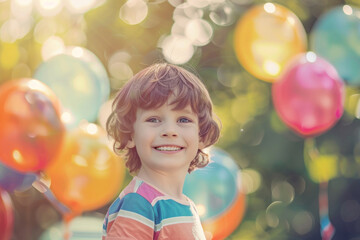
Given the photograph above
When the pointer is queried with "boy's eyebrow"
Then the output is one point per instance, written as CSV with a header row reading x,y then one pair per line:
x,y
185,110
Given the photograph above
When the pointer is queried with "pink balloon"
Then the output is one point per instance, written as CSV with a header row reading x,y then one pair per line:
x,y
309,96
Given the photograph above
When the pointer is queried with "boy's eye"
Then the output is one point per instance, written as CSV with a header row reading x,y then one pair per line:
x,y
153,120
184,120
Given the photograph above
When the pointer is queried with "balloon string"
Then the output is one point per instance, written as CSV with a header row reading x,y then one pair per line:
x,y
67,233
327,229
43,188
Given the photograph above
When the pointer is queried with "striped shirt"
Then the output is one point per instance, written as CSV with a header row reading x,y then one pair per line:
x,y
143,212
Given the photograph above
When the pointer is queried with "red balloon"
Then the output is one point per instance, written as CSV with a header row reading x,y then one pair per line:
x,y
6,216
31,131
309,96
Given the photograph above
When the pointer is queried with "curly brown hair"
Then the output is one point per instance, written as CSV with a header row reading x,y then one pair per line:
x,y
151,88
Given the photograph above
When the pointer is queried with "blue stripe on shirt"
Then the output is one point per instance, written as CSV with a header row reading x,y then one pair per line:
x,y
169,208
133,202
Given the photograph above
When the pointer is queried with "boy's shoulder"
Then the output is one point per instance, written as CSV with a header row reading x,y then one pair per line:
x,y
143,189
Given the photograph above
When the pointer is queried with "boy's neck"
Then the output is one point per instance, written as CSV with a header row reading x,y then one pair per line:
x,y
169,183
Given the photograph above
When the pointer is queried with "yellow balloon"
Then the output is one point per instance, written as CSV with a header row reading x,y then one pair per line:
x,y
266,37
87,174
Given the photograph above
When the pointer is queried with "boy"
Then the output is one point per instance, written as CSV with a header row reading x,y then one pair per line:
x,y
163,118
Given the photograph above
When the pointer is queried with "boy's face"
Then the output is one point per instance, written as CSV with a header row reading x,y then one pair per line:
x,y
166,139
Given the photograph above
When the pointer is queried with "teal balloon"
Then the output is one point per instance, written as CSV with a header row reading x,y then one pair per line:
x,y
96,65
75,84
336,37
215,186
80,228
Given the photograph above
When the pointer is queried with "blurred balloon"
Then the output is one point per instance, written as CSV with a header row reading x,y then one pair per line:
x,y
321,167
334,154
30,125
87,174
217,193
309,96
11,179
352,101
335,36
80,228
77,85
6,216
266,37
96,65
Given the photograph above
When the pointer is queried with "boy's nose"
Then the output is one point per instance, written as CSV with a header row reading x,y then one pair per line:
x,y
169,134
169,131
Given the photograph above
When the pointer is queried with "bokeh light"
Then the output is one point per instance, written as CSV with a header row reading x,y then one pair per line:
x,y
177,49
82,6
283,191
52,46
48,8
251,180
45,29
199,32
222,14
303,222
133,11
119,69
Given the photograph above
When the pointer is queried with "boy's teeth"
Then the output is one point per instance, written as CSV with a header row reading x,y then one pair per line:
x,y
168,148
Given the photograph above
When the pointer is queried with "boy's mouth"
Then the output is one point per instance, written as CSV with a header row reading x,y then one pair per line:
x,y
168,148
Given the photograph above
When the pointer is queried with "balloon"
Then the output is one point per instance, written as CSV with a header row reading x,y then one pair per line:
x,y
335,37
87,174
80,228
337,147
6,216
95,65
266,37
309,96
11,179
77,86
31,131
321,167
217,193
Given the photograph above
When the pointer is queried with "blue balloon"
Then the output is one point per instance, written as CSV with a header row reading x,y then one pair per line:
x,y
336,36
214,187
76,85
11,179
95,65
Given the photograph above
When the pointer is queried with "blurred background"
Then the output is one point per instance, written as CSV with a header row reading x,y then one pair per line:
x,y
284,78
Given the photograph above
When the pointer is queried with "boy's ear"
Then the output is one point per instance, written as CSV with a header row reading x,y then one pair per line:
x,y
130,143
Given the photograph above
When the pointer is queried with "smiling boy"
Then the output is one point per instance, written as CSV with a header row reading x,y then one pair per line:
x,y
163,119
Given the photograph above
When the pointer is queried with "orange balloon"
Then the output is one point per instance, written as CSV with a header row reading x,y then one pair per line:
x,y
222,226
87,174
266,37
31,131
